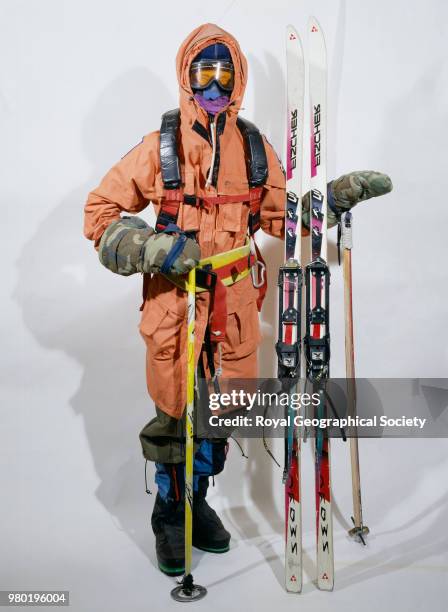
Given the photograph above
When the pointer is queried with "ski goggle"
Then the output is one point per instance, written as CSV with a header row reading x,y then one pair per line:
x,y
205,72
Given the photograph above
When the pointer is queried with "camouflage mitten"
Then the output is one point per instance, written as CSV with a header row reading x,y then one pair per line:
x,y
121,245
170,254
347,191
129,245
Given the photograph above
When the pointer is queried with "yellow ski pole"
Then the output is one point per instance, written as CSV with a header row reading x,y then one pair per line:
x,y
187,590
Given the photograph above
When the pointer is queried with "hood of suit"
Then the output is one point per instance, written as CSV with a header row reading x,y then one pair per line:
x,y
202,37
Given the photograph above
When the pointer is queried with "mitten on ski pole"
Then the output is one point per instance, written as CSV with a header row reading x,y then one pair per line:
x,y
129,245
350,189
347,191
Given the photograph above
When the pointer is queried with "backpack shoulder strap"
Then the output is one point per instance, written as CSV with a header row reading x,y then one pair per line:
x,y
257,161
169,158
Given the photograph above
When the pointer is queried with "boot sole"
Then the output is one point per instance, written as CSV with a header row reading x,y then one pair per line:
x,y
171,571
217,551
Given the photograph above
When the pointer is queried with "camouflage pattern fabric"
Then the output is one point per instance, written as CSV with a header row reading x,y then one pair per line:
x,y
157,248
122,243
129,245
306,210
163,439
350,189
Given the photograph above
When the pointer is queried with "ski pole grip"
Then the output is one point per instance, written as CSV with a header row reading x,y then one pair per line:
x,y
346,226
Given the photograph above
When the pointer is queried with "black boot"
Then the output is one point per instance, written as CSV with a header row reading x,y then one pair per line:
x,y
209,533
168,524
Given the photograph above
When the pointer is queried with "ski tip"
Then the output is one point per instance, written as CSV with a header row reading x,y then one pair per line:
x,y
294,43
316,37
314,26
292,36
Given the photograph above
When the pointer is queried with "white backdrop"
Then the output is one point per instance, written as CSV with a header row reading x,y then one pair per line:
x,y
81,82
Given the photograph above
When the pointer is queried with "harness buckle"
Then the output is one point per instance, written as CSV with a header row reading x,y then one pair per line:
x,y
206,278
191,200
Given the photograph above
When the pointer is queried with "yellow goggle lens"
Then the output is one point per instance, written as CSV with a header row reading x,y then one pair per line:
x,y
202,74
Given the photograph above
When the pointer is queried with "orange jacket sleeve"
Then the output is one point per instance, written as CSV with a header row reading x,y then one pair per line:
x,y
127,187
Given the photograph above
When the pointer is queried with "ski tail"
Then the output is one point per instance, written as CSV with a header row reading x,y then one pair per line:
x,y
324,519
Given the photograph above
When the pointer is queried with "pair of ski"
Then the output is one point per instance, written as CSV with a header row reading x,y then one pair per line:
x,y
316,339
317,279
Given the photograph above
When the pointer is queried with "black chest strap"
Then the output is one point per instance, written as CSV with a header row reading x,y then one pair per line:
x,y
257,163
169,158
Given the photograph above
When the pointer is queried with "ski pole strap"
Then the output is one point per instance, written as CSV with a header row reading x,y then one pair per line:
x,y
172,228
331,203
337,213
338,244
175,250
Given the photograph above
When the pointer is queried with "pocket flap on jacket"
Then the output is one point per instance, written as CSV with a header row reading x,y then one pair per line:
x,y
152,316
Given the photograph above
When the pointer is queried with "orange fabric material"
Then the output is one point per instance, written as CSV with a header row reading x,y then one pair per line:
x,y
136,180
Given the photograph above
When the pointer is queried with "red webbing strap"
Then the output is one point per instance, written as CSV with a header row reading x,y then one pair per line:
x,y
218,318
209,201
255,194
169,208
173,195
235,268
253,197
255,204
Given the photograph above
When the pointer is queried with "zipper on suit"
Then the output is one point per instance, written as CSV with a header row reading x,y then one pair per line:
x,y
213,135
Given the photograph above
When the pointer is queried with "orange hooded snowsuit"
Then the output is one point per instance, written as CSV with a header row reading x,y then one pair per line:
x,y
136,181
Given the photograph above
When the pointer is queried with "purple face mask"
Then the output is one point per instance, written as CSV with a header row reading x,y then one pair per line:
x,y
212,106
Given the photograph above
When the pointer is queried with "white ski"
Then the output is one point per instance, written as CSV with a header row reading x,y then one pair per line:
x,y
318,278
290,287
